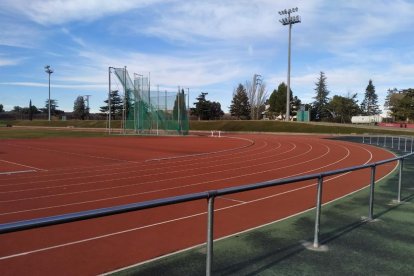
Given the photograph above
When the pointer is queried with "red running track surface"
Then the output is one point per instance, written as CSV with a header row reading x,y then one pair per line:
x,y
46,177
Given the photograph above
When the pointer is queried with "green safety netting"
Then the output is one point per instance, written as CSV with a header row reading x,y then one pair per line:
x,y
151,112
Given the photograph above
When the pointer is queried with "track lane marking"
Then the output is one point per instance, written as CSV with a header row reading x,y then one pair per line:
x,y
22,165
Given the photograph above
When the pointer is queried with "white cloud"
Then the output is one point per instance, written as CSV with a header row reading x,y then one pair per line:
x,y
51,12
8,61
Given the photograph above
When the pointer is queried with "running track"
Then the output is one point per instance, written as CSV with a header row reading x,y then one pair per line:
x,y
47,177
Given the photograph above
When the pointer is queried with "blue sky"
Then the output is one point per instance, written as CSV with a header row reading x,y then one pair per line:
x,y
207,46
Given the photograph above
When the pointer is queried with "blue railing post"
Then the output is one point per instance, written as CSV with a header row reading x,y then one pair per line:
x,y
210,232
371,194
399,180
318,212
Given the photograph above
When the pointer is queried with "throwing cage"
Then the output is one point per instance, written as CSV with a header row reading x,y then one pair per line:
x,y
147,112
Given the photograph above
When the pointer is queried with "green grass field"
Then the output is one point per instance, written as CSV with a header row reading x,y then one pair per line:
x,y
234,126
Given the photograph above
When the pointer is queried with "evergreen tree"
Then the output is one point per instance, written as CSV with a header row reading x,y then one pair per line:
x,y
1,108
277,102
215,111
53,107
369,105
240,106
79,108
180,108
202,107
116,105
321,98
206,110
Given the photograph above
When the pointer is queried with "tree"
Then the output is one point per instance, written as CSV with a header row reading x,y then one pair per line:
x,y
321,98
257,94
277,102
215,111
180,109
403,108
343,108
206,110
1,108
79,108
53,107
240,106
369,105
388,104
202,107
116,105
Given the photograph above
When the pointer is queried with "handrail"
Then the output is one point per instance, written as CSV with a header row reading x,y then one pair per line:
x,y
209,195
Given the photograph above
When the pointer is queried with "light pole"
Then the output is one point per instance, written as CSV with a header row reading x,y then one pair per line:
x,y
49,71
289,20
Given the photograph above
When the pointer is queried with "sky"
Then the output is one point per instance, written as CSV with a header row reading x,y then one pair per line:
x,y
204,45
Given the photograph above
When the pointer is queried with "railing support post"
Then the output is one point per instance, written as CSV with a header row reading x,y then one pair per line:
x,y
318,212
399,180
210,228
405,145
385,141
371,194
392,142
399,142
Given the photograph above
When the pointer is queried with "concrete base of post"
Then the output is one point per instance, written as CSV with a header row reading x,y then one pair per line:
x,y
367,219
310,246
395,202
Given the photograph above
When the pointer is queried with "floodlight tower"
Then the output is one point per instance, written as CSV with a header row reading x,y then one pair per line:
x,y
49,71
289,20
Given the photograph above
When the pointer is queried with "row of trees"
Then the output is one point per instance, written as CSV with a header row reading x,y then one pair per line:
x,y
338,108
33,110
342,108
80,111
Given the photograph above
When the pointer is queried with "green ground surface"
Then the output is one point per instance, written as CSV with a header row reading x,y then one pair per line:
x,y
355,247
227,125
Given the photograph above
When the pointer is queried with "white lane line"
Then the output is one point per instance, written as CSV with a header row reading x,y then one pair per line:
x,y
231,199
125,170
22,165
137,184
205,153
17,172
186,170
153,191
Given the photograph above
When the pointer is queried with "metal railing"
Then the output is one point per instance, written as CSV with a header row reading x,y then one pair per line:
x,y
211,195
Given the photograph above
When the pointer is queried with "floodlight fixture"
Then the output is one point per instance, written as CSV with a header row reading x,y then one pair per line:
x,y
49,71
289,20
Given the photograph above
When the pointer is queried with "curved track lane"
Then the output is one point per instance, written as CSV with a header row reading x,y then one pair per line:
x,y
81,174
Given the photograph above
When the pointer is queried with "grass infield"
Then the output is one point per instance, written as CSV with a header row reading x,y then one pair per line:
x,y
355,247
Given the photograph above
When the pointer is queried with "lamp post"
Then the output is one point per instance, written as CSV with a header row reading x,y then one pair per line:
x,y
289,20
49,71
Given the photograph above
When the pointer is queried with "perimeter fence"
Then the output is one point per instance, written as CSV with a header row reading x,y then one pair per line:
x,y
212,194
